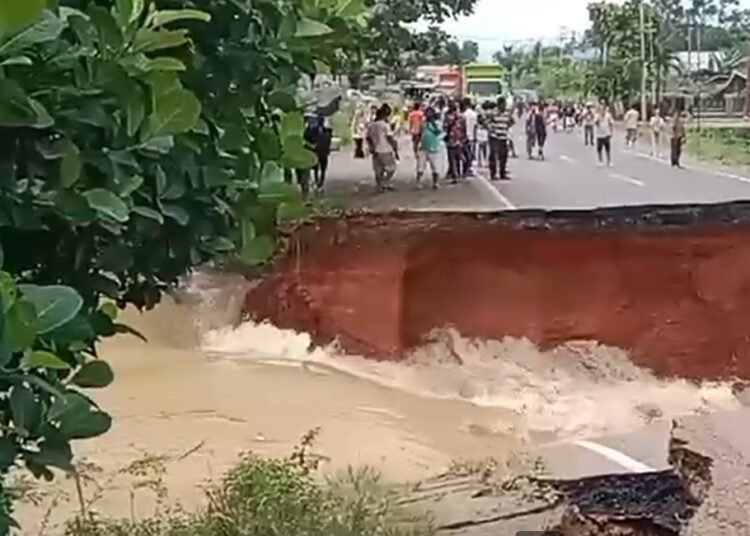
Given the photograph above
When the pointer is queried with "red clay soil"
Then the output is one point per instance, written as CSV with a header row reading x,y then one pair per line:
x,y
677,298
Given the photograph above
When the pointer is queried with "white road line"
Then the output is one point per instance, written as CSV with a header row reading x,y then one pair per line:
x,y
568,159
613,455
692,168
730,175
494,192
625,178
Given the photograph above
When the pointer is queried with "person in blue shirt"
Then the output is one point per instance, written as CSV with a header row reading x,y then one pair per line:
x,y
430,147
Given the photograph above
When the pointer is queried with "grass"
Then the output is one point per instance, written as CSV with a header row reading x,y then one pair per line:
x,y
729,146
277,497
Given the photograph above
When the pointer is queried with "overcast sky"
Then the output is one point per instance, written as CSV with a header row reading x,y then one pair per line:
x,y
498,22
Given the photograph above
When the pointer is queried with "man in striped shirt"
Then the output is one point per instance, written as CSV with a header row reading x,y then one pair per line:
x,y
498,121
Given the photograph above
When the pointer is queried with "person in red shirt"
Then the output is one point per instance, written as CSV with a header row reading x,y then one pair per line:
x,y
416,122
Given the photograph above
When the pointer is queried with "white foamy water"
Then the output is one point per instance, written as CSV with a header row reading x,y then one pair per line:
x,y
577,390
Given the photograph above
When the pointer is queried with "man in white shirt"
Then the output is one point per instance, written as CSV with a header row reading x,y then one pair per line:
x,y
632,117
472,123
657,128
604,125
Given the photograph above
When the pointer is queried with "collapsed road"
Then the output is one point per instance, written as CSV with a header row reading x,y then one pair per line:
x,y
669,284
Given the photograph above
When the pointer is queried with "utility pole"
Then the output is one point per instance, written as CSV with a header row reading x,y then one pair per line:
x,y
644,67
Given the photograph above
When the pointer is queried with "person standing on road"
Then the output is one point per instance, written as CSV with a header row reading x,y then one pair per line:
x,y
383,148
416,119
498,123
430,146
678,138
632,117
455,130
657,128
604,125
471,118
318,135
483,139
588,125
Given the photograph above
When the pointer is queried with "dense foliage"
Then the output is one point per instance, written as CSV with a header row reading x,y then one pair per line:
x,y
137,143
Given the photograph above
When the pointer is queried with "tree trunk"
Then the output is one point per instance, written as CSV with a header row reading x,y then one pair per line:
x,y
747,86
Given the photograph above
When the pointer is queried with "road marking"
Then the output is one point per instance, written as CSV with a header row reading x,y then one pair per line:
x,y
485,182
568,159
625,178
613,455
732,176
691,168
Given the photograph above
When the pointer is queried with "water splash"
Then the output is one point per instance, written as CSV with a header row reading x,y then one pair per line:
x,y
579,389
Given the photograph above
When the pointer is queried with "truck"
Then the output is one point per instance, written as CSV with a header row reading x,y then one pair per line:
x,y
483,82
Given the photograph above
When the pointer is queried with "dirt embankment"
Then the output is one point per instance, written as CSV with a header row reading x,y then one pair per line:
x,y
669,284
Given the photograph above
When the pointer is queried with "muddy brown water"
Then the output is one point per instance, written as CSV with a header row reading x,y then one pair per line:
x,y
206,389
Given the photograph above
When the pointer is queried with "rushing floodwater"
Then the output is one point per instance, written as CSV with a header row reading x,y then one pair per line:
x,y
204,390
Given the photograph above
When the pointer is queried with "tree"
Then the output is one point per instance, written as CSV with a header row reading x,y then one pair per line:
x,y
469,51
389,42
138,143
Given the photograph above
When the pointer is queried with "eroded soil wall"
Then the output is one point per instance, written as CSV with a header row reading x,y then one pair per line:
x,y
669,284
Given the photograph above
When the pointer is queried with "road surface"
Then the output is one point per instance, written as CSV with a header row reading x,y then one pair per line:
x,y
572,178
569,178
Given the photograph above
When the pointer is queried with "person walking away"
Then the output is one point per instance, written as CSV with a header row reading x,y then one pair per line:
x,y
471,118
455,130
323,136
540,122
416,119
498,123
632,117
383,148
530,127
657,128
678,138
604,126
588,126
430,147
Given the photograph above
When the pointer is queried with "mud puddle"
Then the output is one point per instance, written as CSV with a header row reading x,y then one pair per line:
x,y
204,390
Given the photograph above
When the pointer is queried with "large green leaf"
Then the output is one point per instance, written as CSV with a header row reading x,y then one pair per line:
x,y
350,8
55,305
134,105
20,325
174,113
47,28
53,454
177,213
292,124
94,375
70,165
25,408
257,250
312,28
151,41
167,16
296,155
42,359
79,419
15,14
108,204
129,10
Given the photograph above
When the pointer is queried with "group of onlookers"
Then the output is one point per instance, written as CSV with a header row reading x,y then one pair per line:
x,y
448,136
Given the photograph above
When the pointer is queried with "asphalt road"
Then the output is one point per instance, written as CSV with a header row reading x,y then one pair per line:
x,y
571,178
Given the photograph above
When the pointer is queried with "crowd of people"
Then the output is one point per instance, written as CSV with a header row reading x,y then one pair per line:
x,y
450,138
